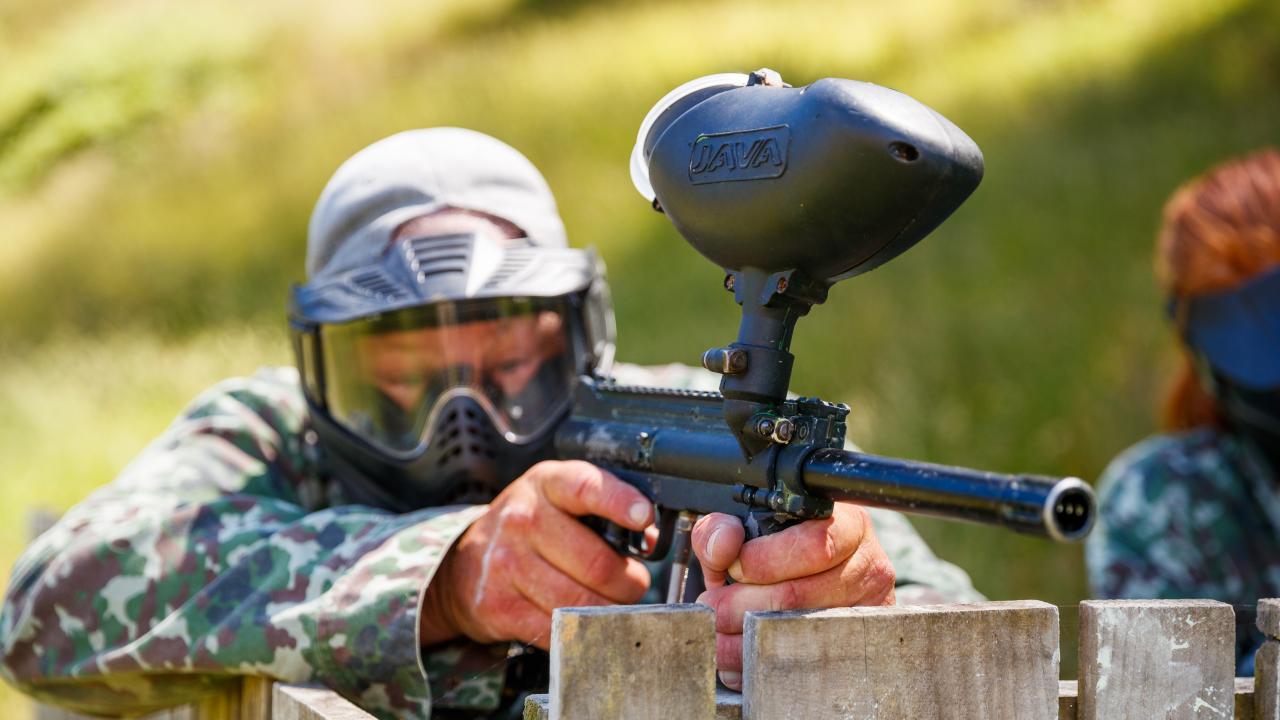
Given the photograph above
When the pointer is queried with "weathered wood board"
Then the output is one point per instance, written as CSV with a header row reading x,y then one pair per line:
x,y
984,660
1267,681
255,697
1068,700
633,662
728,706
991,660
1244,703
1269,617
1171,659
240,701
1245,699
313,702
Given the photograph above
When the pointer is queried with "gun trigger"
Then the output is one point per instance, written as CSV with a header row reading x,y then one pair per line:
x,y
623,541
759,524
617,537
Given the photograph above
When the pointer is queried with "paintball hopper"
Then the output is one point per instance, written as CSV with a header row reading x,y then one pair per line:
x,y
790,190
832,179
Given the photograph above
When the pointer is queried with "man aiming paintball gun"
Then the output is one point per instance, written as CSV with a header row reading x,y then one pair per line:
x,y
399,516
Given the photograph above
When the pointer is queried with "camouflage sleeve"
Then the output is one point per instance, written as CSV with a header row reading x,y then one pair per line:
x,y
1142,546
211,557
922,577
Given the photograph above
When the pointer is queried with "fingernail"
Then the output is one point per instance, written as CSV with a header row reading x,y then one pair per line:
x,y
640,513
711,541
735,570
731,679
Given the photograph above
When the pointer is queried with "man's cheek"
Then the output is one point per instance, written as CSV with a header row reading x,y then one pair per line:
x,y
514,382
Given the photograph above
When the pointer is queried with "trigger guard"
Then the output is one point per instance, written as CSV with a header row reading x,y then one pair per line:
x,y
666,528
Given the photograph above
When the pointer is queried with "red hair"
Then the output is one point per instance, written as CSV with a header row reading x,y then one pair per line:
x,y
1219,230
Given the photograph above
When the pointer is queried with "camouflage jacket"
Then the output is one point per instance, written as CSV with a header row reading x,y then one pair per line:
x,y
1193,515
224,550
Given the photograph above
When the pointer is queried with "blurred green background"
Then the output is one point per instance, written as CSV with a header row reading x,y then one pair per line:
x,y
158,162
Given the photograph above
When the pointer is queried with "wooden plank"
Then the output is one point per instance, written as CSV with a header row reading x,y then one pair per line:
x,y
255,698
215,706
924,662
1267,681
1269,617
52,712
635,662
1170,659
728,706
312,702
1244,699
1266,699
1244,705
1068,700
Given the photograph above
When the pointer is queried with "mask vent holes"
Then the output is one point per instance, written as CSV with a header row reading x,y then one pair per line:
x,y
903,152
373,282
513,263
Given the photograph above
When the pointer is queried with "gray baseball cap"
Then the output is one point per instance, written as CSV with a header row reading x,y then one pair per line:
x,y
418,172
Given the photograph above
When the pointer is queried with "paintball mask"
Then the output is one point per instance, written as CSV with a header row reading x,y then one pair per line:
x,y
1235,337
438,375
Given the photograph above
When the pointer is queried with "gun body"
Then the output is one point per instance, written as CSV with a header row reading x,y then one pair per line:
x,y
840,177
673,446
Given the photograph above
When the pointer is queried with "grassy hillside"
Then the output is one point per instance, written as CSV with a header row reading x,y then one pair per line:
x,y
158,162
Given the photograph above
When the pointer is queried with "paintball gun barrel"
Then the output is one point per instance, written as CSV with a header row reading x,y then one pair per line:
x,y
791,190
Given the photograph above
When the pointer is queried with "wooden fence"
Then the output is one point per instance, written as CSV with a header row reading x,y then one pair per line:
x,y
1138,659
255,699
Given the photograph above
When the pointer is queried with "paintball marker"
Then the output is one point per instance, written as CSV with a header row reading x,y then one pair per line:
x,y
790,190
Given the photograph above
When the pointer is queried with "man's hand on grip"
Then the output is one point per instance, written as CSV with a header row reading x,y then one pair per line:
x,y
835,562
530,554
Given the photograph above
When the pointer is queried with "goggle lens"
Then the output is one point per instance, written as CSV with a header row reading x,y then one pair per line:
x,y
386,377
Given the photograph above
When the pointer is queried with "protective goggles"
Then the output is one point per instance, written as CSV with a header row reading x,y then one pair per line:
x,y
386,378
1237,331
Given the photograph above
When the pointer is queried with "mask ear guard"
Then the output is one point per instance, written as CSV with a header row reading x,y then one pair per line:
x,y
306,352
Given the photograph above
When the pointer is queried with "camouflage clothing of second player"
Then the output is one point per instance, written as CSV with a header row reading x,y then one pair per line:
x,y
225,549
1192,515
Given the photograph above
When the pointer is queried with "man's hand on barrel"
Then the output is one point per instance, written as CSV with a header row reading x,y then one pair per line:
x,y
836,562
530,554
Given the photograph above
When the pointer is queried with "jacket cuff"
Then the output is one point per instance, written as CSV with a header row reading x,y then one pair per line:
x,y
466,675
